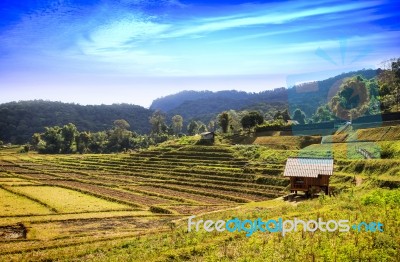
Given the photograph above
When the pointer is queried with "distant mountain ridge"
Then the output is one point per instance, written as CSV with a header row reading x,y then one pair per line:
x,y
20,120
204,105
170,102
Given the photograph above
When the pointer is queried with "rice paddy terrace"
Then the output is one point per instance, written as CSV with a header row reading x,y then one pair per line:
x,y
73,205
69,200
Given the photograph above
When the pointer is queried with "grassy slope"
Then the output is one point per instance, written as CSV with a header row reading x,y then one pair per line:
x,y
361,202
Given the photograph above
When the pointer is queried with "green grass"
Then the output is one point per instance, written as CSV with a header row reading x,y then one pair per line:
x,y
68,201
372,167
390,149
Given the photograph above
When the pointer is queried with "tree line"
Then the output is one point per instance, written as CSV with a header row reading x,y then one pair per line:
x,y
19,120
68,139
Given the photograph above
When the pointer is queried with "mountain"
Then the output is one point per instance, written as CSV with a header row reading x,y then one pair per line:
x,y
205,105
20,120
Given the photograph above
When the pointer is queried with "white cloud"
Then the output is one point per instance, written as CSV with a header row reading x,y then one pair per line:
x,y
120,35
258,17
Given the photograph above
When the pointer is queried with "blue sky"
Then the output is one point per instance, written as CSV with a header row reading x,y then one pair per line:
x,y
133,51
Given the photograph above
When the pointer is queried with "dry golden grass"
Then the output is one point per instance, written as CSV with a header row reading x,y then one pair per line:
x,y
379,134
68,201
12,205
286,142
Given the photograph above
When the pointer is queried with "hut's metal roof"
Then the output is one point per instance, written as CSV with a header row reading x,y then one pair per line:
x,y
308,167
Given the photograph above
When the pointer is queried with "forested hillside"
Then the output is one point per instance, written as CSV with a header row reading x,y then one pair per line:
x,y
204,105
307,103
20,120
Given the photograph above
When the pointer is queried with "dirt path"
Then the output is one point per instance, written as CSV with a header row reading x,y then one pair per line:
x,y
358,181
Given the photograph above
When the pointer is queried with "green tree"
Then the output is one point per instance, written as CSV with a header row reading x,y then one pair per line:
x,y
234,120
121,124
202,127
177,124
119,137
52,140
285,115
389,85
68,133
157,121
223,121
322,114
299,116
252,119
396,71
282,115
352,99
82,142
35,140
98,142
192,128
278,115
211,126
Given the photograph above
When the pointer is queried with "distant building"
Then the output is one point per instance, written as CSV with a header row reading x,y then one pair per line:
x,y
207,136
307,174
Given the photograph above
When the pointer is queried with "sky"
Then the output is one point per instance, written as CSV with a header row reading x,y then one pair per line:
x,y
133,51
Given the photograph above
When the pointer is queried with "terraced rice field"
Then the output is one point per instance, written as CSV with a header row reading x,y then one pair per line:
x,y
67,200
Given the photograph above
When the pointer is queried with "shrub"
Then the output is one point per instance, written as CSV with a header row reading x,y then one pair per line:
x,y
381,197
25,148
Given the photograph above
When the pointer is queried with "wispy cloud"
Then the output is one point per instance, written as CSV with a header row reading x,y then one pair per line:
x,y
120,35
131,38
343,21
253,19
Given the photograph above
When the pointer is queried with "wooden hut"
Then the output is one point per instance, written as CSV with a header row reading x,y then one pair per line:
x,y
207,135
307,174
207,138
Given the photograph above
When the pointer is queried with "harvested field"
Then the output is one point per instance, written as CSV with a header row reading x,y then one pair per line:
x,y
74,200
66,200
